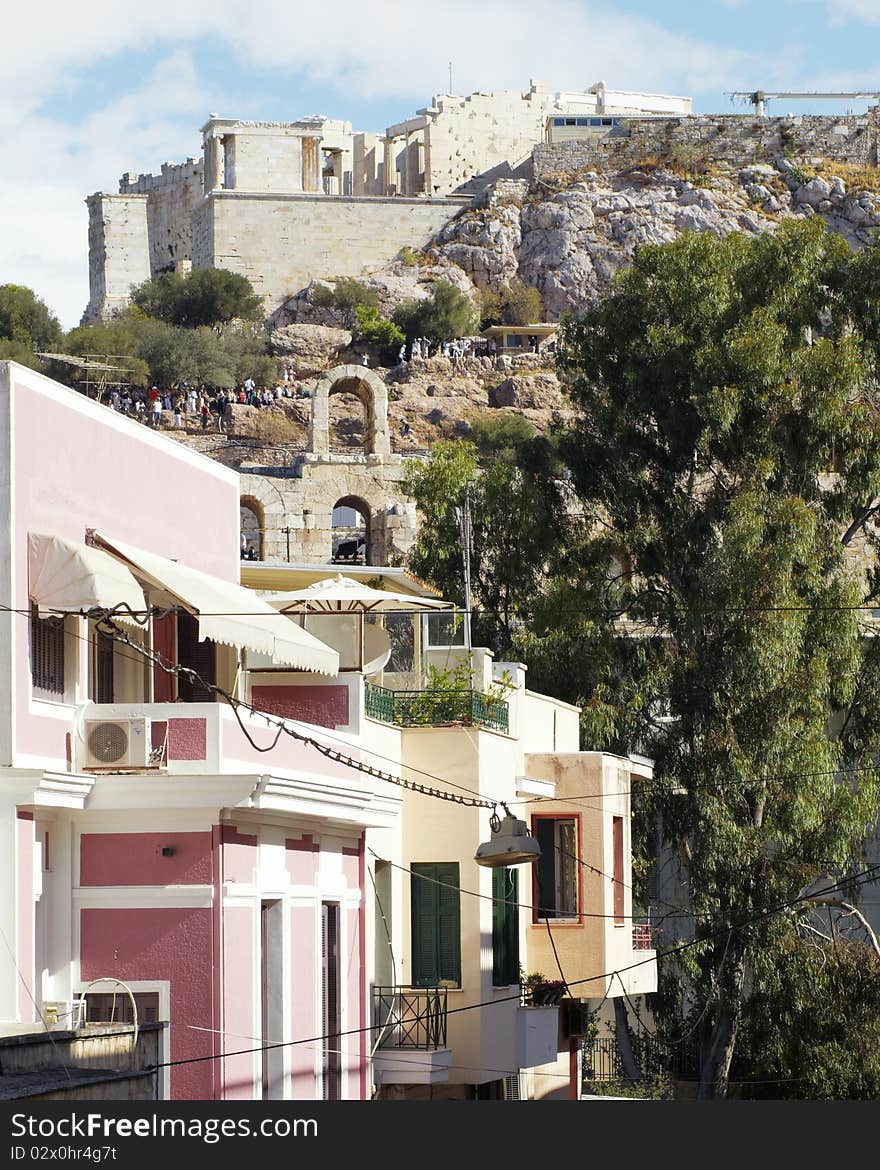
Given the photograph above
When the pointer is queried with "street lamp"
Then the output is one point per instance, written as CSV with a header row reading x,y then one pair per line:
x,y
510,842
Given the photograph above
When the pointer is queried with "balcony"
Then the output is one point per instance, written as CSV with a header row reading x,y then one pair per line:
x,y
435,708
643,936
410,1035
537,1036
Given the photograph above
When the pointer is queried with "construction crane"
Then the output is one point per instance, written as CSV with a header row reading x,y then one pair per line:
x,y
759,96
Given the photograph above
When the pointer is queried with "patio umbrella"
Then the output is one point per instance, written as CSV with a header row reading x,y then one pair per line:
x,y
344,595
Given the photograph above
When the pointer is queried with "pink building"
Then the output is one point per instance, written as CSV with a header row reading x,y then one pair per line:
x,y
144,837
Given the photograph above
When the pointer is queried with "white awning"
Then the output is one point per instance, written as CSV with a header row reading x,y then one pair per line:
x,y
68,577
228,613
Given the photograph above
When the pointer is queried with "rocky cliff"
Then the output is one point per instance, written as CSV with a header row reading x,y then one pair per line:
x,y
566,235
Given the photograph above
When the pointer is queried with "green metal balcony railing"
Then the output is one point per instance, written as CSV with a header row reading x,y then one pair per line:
x,y
430,708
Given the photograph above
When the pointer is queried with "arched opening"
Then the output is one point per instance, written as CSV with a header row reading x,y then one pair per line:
x,y
349,409
252,525
361,425
351,532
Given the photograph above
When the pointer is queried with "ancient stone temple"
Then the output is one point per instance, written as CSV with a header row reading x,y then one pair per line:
x,y
332,505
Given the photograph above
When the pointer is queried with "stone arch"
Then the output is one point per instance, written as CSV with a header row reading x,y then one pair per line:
x,y
351,555
253,523
373,394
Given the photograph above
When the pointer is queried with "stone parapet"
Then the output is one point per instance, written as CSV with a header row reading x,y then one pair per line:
x,y
736,139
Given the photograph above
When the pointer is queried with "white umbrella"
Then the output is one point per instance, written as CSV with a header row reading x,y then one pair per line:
x,y
345,595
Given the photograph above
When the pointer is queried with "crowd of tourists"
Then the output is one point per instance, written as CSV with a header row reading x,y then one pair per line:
x,y
202,406
422,348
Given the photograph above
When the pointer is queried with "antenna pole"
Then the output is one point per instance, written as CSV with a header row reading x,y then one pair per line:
x,y
450,79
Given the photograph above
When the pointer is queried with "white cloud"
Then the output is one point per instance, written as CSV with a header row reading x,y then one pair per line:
x,y
390,49
864,10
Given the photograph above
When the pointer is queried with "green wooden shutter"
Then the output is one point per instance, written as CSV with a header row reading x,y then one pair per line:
x,y
505,927
436,923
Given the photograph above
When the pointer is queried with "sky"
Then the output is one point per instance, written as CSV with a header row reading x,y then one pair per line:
x,y
91,90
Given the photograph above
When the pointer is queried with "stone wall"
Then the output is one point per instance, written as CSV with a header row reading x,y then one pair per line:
x,y
736,139
119,254
301,498
479,134
171,198
281,242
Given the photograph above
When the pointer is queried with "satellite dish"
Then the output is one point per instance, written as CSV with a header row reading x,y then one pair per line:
x,y
377,648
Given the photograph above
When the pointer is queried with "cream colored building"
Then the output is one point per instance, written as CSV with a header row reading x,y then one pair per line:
x,y
284,203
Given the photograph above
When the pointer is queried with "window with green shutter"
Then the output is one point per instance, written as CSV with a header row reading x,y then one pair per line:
x,y
505,927
436,924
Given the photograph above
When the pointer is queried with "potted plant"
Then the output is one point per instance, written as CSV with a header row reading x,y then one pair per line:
x,y
542,992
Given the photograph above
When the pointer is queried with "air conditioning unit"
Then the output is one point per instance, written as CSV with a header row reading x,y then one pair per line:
x,y
114,744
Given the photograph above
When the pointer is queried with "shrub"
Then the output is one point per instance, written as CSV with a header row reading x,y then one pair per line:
x,y
447,314
380,332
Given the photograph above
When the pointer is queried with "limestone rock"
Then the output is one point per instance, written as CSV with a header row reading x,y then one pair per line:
x,y
536,392
310,348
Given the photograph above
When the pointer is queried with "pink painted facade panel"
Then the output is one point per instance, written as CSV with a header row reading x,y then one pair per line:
x,y
304,1000
351,867
187,739
162,944
301,856
354,1058
324,706
24,832
135,859
239,855
240,1003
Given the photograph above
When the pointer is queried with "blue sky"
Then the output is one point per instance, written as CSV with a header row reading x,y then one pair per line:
x,y
91,90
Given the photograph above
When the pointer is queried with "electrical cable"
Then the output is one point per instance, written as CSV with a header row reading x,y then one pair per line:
x,y
855,879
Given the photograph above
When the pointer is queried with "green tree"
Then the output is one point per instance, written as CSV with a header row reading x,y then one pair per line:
x,y
812,1030
205,296
347,295
26,324
500,434
378,331
512,304
521,304
726,454
446,314
518,530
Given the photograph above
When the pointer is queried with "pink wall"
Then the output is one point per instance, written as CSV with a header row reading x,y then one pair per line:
x,y
135,859
169,943
353,866
301,856
305,1004
240,1002
239,855
76,464
325,706
24,831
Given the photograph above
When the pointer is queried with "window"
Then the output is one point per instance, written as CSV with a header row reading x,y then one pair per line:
x,y
505,927
47,656
617,836
331,1002
198,656
436,924
102,668
556,871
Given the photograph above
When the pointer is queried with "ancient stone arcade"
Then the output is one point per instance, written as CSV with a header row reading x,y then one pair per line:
x,y
288,512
